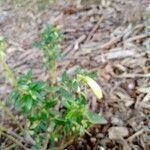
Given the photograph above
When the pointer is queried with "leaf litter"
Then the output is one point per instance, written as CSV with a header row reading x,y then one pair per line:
x,y
108,37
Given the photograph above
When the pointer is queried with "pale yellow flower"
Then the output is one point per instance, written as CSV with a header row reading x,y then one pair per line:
x,y
92,84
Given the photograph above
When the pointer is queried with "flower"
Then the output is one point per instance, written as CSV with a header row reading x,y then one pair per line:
x,y
92,84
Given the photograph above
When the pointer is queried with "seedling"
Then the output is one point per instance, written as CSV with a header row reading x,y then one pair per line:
x,y
59,112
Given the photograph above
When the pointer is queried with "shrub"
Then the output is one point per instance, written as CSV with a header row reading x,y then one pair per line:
x,y
55,112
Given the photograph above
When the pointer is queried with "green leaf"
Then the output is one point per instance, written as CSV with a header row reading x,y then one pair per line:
x,y
60,121
82,99
38,86
18,105
65,103
50,103
64,77
44,115
75,86
25,79
64,93
28,103
35,124
14,96
34,94
24,87
43,126
53,89
95,118
29,74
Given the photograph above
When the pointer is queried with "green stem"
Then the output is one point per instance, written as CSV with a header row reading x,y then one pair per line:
x,y
52,72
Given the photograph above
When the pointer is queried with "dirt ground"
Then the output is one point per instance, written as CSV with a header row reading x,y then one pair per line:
x,y
110,37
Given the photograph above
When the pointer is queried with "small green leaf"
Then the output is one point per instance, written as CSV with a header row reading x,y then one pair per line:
x,y
60,121
75,86
44,115
35,124
29,74
24,87
50,103
29,103
66,104
64,93
95,118
38,86
14,96
43,126
18,105
64,77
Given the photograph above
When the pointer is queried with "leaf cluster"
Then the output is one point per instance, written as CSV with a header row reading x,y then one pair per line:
x,y
62,115
50,44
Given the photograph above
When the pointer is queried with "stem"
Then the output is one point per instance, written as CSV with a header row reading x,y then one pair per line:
x,y
52,72
9,73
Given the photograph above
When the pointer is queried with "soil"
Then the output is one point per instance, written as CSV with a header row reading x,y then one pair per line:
x,y
111,38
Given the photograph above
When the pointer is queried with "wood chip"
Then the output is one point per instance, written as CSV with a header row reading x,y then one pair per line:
x,y
113,55
117,132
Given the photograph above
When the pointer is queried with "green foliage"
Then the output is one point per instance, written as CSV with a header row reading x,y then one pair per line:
x,y
74,118
55,112
28,94
50,39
